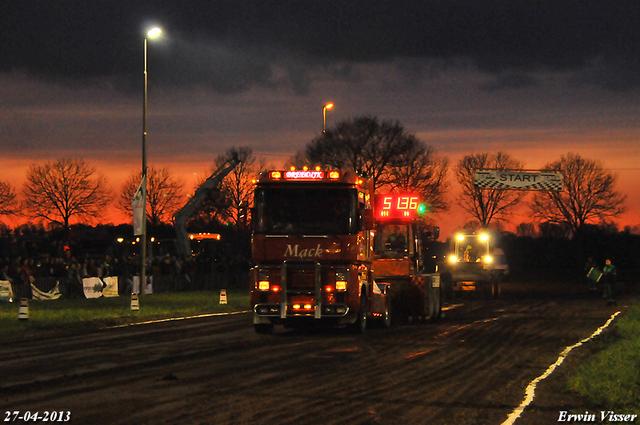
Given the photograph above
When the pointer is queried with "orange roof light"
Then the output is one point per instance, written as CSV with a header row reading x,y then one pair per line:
x,y
334,175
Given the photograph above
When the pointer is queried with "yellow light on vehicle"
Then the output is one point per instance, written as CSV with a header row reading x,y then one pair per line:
x,y
488,259
341,285
334,175
460,237
308,306
484,237
275,175
263,285
318,168
296,306
275,288
328,288
453,259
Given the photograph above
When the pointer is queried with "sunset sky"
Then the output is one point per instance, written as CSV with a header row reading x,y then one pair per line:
x,y
535,79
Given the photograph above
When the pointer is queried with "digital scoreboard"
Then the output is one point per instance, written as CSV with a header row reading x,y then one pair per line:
x,y
397,206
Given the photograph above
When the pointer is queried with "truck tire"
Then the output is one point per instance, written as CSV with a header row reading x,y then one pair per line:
x,y
496,289
386,319
432,304
447,284
360,325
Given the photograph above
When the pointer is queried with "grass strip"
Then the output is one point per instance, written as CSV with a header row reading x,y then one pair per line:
x,y
71,315
611,378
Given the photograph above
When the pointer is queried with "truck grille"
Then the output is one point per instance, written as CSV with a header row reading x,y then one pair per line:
x,y
301,278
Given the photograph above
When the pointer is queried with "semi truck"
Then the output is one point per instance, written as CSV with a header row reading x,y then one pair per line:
x,y
404,257
312,246
474,263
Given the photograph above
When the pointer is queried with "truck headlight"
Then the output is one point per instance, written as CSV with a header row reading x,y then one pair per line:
x,y
263,280
342,280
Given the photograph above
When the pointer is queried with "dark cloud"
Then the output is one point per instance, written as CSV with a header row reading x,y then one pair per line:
x,y
511,81
232,45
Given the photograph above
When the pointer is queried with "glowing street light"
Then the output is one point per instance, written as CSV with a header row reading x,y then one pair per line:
x,y
324,116
143,275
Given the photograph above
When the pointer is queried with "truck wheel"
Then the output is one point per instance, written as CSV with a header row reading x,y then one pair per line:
x,y
263,328
489,289
449,292
433,304
360,325
496,289
386,319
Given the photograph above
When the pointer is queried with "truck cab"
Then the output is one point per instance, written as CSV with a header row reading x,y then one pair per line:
x,y
402,257
312,246
471,264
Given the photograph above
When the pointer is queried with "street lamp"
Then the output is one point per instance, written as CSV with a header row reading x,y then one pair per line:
x,y
324,116
143,274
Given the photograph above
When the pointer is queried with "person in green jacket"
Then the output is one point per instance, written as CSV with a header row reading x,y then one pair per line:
x,y
609,274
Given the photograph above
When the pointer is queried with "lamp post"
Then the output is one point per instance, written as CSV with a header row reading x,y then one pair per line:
x,y
143,273
324,116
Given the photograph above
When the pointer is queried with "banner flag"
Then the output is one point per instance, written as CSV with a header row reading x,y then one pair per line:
x,y
6,293
111,288
94,287
148,287
138,207
41,295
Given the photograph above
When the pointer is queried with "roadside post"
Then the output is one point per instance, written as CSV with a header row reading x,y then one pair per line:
x,y
23,310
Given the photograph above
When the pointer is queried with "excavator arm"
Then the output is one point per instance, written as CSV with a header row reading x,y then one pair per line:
x,y
181,217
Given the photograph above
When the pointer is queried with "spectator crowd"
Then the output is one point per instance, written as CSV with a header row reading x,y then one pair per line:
x,y
46,263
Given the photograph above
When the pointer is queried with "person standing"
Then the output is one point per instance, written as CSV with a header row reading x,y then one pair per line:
x,y
592,275
610,274
26,278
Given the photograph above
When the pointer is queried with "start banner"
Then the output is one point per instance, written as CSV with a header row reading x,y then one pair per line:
x,y
522,180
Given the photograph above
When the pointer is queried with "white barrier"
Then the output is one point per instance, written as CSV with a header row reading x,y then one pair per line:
x,y
94,287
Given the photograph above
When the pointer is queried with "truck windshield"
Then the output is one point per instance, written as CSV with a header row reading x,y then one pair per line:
x,y
312,211
391,241
471,249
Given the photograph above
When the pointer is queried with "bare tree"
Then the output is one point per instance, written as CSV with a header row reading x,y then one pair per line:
x,y
419,169
589,194
486,204
526,230
164,194
8,202
238,185
363,144
65,188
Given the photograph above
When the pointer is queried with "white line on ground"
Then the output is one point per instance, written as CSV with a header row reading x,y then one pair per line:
x,y
531,389
175,319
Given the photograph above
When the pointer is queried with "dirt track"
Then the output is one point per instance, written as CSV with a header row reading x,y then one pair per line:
x,y
472,367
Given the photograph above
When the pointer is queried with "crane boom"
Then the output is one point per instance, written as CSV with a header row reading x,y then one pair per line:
x,y
183,214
